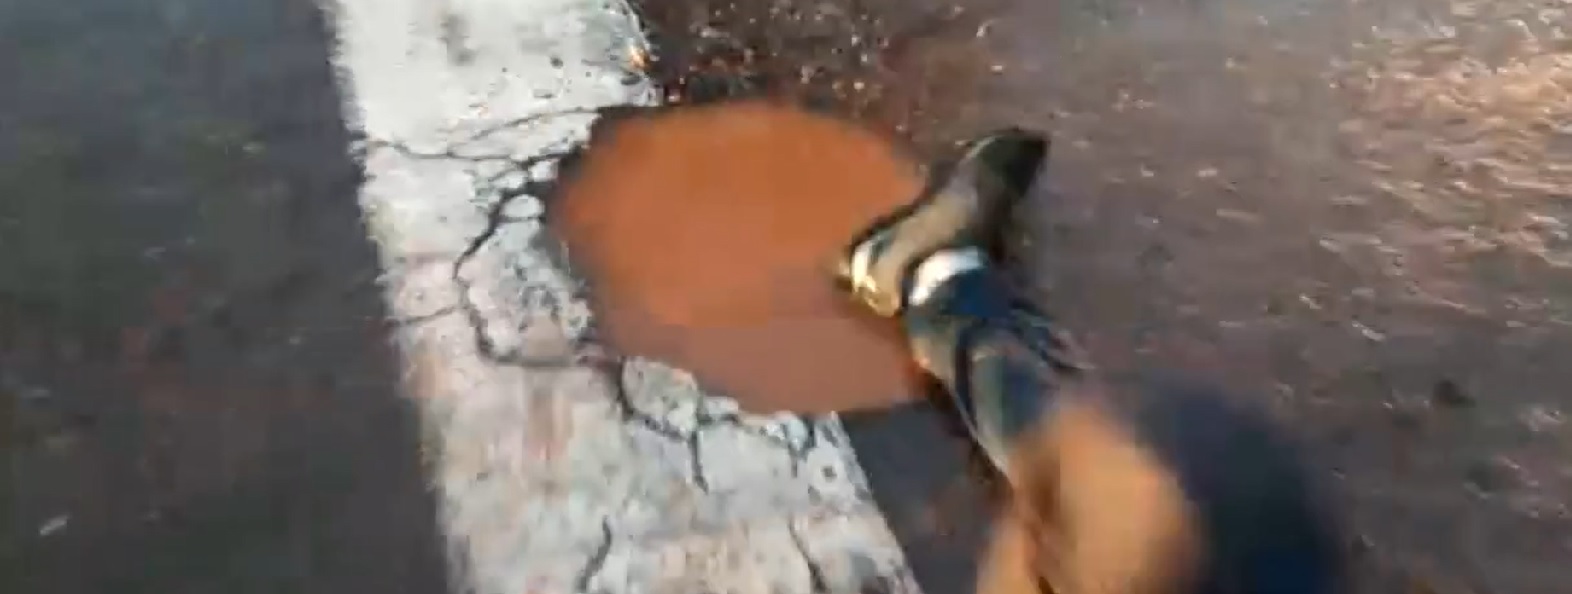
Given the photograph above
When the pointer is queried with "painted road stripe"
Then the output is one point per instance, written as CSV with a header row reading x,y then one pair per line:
x,y
556,473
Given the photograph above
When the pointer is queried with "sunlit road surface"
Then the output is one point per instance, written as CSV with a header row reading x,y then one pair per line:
x,y
275,313
1351,213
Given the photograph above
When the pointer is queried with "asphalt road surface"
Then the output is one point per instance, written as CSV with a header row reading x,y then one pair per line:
x,y
198,390
1351,213
1348,211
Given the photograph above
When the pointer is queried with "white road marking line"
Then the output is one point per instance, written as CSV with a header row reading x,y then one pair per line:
x,y
556,476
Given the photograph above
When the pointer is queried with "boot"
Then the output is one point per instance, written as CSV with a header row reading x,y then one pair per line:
x,y
966,205
933,262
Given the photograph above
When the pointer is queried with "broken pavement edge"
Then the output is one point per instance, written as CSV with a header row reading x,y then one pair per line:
x,y
558,469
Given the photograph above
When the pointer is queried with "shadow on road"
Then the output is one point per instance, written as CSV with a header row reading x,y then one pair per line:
x,y
198,389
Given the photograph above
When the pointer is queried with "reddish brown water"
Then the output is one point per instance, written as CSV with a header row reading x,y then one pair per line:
x,y
707,233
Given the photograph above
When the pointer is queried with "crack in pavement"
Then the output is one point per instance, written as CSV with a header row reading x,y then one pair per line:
x,y
416,320
796,451
458,199
615,371
496,219
597,560
815,573
450,154
517,179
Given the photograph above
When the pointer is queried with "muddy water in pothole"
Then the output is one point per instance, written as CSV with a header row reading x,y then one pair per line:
x,y
708,234
1353,210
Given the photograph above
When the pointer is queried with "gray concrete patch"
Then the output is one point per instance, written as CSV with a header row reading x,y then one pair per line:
x,y
558,468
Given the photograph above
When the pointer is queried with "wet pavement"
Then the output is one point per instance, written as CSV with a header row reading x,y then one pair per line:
x,y
1349,212
197,388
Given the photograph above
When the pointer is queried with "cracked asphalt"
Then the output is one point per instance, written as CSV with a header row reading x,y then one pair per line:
x,y
198,380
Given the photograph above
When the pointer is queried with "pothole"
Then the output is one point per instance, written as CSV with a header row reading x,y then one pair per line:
x,y
706,234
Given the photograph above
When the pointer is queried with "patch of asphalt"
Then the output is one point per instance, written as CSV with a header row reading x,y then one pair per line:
x,y
909,68
1351,212
193,364
560,467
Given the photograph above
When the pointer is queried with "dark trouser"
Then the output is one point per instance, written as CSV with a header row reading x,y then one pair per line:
x,y
1017,386
998,355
